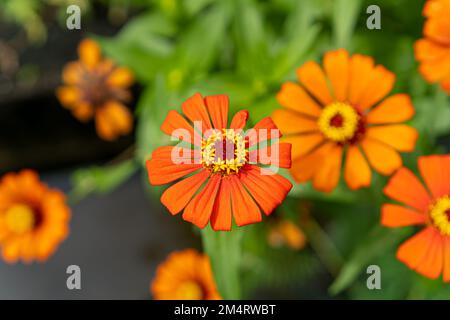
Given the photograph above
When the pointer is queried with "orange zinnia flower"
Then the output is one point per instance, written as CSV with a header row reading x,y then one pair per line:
x,y
33,218
338,110
433,51
185,275
427,252
95,87
224,180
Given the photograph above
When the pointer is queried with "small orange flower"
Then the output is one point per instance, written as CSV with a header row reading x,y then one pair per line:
x,y
33,218
427,252
95,87
433,51
224,181
185,275
286,233
340,110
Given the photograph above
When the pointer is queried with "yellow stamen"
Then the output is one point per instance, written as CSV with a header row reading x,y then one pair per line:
x,y
218,160
189,290
440,216
19,218
338,121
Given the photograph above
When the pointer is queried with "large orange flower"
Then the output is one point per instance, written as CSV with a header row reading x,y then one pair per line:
x,y
223,179
339,110
433,51
185,275
33,218
427,252
95,87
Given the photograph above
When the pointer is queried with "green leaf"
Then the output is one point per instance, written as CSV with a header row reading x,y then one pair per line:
x,y
345,15
100,180
377,241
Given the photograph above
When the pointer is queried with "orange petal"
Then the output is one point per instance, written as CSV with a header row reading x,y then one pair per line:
x,y
406,188
393,215
437,29
361,68
313,79
71,73
221,219
294,97
199,210
84,112
68,96
397,108
264,155
412,251
89,52
218,110
113,120
435,70
399,136
327,175
382,157
245,210
433,262
336,64
446,274
357,171
290,122
436,174
120,77
304,168
303,144
239,120
195,110
380,84
178,196
175,124
269,191
426,49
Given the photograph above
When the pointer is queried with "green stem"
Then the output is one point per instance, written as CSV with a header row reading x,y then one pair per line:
x,y
224,251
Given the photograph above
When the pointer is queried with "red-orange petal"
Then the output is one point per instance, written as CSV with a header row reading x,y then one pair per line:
x,y
245,210
194,109
446,272
436,174
178,196
199,209
221,217
264,130
218,110
433,261
239,120
265,155
413,251
165,171
176,124
393,215
406,188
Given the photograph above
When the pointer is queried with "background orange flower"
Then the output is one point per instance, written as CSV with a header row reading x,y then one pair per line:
x,y
427,252
185,275
433,51
95,87
33,218
348,117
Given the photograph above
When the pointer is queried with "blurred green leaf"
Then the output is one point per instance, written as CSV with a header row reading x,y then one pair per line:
x,y
100,179
345,15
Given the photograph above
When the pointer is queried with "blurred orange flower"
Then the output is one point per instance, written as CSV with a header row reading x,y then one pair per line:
x,y
33,218
338,110
286,233
95,87
427,252
221,184
185,275
433,51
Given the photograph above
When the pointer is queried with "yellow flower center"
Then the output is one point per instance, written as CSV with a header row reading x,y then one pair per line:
x,y
224,152
440,214
189,290
20,218
339,122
